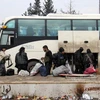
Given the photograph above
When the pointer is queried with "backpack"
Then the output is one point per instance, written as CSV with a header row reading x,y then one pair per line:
x,y
10,72
43,71
61,60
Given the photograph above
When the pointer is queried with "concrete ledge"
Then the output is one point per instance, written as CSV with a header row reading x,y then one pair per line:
x,y
48,80
50,86
50,90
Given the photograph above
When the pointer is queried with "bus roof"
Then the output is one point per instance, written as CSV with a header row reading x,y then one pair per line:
x,y
56,16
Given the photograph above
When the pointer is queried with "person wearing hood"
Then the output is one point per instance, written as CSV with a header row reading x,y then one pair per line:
x,y
61,64
88,59
79,61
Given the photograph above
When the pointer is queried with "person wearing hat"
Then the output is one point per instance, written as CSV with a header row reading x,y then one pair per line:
x,y
60,58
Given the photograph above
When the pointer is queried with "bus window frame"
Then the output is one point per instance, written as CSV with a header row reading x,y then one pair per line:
x,y
31,36
62,30
9,39
96,23
98,27
9,21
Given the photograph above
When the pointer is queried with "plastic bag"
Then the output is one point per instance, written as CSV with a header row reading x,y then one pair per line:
x,y
35,69
23,73
68,67
90,70
86,97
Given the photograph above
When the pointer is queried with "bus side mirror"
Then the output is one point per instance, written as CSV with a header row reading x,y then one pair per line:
x,y
3,27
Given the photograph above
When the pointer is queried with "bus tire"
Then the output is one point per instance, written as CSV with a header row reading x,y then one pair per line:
x,y
32,63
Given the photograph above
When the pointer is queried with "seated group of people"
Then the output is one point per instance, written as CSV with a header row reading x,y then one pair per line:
x,y
58,62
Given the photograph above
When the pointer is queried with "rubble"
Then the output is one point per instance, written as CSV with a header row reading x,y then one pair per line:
x,y
65,97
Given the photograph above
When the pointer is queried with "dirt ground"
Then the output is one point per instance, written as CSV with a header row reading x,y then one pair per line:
x,y
48,80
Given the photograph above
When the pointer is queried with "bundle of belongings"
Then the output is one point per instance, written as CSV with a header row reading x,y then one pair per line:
x,y
90,70
61,65
23,73
63,69
38,68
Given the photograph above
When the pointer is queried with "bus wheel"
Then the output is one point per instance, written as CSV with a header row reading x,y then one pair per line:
x,y
32,63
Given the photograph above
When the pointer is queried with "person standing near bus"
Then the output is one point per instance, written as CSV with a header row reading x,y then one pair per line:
x,y
88,59
21,60
3,58
47,59
79,67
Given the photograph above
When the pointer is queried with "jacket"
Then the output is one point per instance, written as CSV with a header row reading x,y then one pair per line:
x,y
59,59
3,57
21,59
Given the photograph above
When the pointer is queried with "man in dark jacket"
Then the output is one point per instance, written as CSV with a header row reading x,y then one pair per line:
x,y
47,59
60,58
21,59
79,68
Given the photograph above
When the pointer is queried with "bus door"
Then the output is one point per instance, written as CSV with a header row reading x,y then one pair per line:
x,y
8,34
7,38
11,39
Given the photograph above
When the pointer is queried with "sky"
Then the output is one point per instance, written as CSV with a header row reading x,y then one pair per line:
x,y
17,7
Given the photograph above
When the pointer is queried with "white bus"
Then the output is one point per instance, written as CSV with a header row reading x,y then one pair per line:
x,y
54,30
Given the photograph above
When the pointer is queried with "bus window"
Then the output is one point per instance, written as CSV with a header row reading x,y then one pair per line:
x,y
53,26
99,28
31,27
84,25
11,24
7,38
99,25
